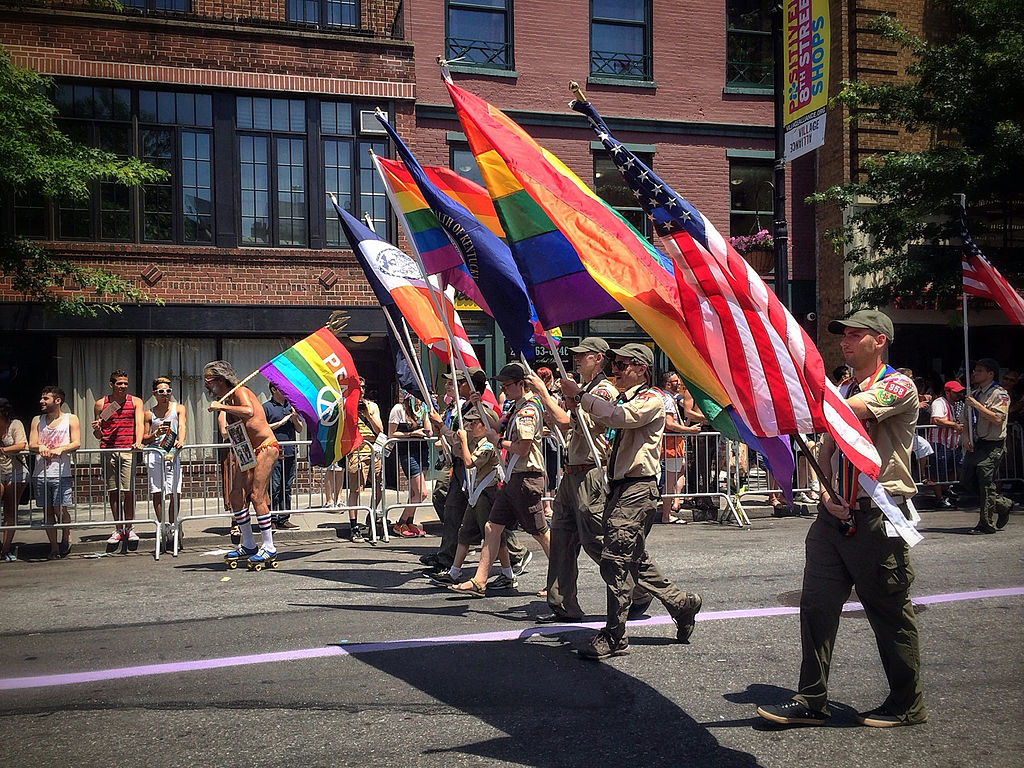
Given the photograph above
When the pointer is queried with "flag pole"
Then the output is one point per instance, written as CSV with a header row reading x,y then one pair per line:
x,y
239,385
961,200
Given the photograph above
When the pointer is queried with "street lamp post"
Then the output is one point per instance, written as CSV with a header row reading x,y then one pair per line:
x,y
780,230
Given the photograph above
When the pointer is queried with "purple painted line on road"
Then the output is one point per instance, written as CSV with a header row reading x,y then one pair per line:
x,y
149,670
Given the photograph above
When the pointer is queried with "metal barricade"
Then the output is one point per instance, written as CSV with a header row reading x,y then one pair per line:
x,y
399,455
1011,468
90,502
207,479
754,479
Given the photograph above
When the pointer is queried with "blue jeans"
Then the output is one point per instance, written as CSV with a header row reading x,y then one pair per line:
x,y
281,486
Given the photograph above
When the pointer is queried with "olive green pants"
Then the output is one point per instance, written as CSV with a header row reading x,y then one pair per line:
x,y
978,477
879,567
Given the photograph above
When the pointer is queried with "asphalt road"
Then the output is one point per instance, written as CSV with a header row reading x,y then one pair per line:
x,y
338,659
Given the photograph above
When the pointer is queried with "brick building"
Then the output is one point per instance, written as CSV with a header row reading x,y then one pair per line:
x,y
259,108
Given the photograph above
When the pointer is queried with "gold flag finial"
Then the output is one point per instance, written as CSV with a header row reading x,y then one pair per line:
x,y
338,321
577,91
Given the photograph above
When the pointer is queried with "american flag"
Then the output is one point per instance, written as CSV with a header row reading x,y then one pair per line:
x,y
983,280
768,364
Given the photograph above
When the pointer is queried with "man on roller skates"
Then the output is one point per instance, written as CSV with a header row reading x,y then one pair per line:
x,y
242,405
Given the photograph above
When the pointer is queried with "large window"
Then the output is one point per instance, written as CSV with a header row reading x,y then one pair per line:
x,y
349,172
612,188
751,197
620,39
324,13
479,32
748,48
272,170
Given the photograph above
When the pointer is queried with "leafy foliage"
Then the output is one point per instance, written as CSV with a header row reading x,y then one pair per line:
x,y
964,93
36,157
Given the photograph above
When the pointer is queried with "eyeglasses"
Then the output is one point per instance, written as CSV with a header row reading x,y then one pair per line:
x,y
621,365
162,391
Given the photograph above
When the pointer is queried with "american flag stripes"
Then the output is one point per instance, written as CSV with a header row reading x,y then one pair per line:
x,y
983,280
767,363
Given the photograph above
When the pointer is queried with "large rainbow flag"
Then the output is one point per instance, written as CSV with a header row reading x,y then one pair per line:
x,y
319,379
541,202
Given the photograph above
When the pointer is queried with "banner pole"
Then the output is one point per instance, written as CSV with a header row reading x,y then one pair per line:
x,y
586,432
961,200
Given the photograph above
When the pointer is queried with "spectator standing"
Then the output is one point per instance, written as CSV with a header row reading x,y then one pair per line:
x,y
12,472
165,428
839,558
119,424
362,465
285,424
674,453
54,435
408,418
987,408
946,443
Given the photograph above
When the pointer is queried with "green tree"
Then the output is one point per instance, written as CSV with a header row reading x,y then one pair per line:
x,y
36,157
963,92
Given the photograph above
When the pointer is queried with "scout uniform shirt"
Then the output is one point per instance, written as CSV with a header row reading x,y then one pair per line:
x,y
638,416
485,461
891,398
577,449
526,422
995,398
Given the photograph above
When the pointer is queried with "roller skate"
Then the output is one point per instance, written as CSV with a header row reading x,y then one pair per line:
x,y
263,559
242,553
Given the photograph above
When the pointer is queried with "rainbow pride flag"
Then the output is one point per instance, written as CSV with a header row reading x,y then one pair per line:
x,y
553,207
319,379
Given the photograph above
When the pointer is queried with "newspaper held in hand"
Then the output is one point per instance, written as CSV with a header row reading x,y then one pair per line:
x,y
240,444
109,410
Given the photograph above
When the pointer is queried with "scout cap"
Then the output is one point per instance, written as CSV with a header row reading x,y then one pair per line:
x,y
636,352
953,386
989,365
471,415
475,372
512,372
871,319
590,344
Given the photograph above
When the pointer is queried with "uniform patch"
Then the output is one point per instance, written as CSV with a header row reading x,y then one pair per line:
x,y
895,388
1003,399
885,397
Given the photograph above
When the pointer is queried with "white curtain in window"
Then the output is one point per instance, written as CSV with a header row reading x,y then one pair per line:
x,y
83,372
182,361
246,355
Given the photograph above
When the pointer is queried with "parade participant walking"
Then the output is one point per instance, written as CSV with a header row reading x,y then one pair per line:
x,y
164,431
285,423
54,435
638,417
250,485
987,409
520,498
13,441
863,556
118,424
579,500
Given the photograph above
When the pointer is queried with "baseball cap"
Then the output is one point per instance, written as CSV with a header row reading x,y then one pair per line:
x,y
871,319
512,372
590,344
637,352
953,386
471,415
475,372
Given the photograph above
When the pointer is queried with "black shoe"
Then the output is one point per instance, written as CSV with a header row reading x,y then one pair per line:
x,y
65,549
1002,518
881,717
432,560
443,578
791,713
356,534
978,531
603,646
519,567
558,618
638,609
944,503
686,618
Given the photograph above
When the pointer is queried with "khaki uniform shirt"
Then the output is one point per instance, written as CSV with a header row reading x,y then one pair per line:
x,y
893,404
577,449
526,422
995,398
484,456
639,422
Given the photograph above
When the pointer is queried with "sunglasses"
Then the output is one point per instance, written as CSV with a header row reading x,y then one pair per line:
x,y
621,365
162,391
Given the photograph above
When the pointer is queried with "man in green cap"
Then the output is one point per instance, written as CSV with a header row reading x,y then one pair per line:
x,y
634,465
850,544
987,408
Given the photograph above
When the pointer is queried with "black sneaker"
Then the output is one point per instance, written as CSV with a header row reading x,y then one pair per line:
x,y
356,534
519,567
881,717
979,531
791,713
431,560
603,646
1002,518
686,618
501,581
443,578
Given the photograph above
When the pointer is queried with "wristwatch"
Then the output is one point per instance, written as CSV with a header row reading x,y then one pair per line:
x,y
578,397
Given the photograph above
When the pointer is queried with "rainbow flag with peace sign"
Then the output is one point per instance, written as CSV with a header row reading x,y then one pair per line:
x,y
319,379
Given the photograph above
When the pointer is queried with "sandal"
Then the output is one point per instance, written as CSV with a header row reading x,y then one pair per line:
x,y
476,589
673,520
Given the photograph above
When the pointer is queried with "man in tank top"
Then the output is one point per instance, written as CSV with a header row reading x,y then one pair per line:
x,y
54,434
118,425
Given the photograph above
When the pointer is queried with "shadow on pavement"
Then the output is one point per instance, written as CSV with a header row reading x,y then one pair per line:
x,y
554,709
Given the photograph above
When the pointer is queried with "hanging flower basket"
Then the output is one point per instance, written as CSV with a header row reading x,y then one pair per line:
x,y
758,249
